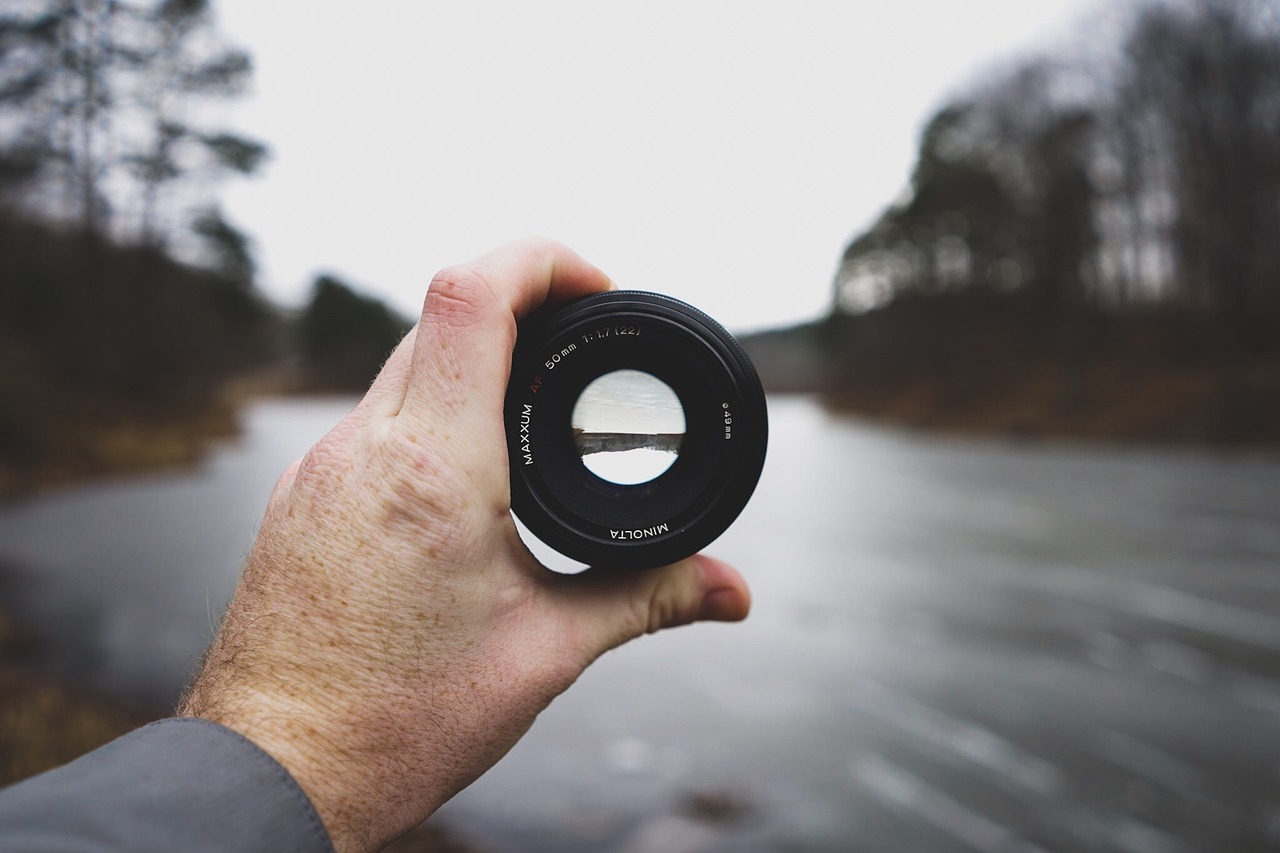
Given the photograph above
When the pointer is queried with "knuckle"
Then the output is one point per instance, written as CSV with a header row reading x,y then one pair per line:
x,y
420,457
413,460
646,611
327,463
541,247
284,483
290,472
458,295
664,606
421,491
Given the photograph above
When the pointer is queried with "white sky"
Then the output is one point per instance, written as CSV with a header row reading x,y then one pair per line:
x,y
722,152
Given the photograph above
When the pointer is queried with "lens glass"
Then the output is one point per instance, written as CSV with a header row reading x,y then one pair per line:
x,y
628,427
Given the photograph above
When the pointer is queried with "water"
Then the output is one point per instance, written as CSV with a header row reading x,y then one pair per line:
x,y
128,578
954,646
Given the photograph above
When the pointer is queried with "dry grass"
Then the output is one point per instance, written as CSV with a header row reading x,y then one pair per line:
x,y
45,723
1101,402
97,443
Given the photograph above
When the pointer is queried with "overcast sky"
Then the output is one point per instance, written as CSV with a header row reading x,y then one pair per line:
x,y
722,152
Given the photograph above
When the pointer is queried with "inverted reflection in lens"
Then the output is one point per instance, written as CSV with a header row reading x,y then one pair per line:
x,y
628,427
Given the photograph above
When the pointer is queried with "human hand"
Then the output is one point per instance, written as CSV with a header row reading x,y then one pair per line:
x,y
391,637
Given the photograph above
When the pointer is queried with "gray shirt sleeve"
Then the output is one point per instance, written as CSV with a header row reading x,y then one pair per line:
x,y
179,784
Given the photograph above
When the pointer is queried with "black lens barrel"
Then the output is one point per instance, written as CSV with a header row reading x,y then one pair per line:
x,y
594,521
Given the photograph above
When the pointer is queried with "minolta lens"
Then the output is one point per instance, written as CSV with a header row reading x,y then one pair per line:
x,y
636,429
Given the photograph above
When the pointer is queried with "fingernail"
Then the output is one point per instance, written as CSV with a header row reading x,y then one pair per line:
x,y
721,605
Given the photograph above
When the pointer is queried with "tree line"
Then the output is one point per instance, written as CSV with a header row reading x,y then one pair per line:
x,y
1088,243
123,286
1139,169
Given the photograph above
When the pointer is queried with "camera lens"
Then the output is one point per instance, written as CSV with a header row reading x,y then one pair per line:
x,y
636,429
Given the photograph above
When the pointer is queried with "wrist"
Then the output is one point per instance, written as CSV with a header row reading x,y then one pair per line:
x,y
336,763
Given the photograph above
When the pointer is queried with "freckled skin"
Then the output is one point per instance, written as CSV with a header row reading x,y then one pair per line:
x,y
391,637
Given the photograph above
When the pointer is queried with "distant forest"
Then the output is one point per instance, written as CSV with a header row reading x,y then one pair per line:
x,y
1089,245
128,301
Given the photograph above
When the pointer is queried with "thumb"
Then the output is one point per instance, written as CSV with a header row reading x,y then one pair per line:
x,y
612,607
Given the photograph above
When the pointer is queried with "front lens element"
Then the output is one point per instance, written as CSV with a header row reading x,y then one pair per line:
x,y
628,427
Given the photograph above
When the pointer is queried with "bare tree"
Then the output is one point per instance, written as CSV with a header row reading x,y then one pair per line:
x,y
101,98
1204,87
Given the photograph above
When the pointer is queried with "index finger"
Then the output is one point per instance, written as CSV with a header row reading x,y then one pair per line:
x,y
462,353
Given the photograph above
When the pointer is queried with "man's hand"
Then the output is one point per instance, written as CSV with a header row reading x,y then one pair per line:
x,y
391,637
